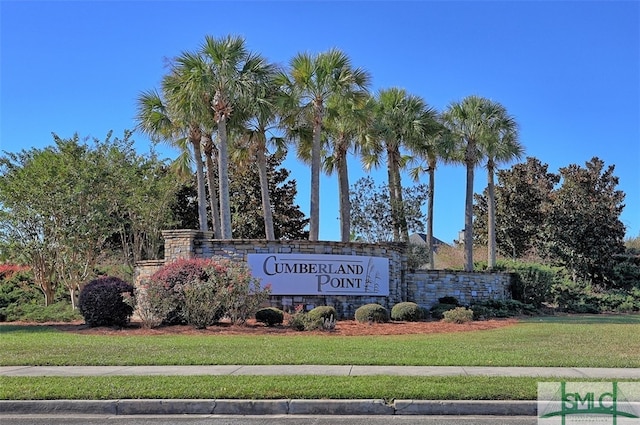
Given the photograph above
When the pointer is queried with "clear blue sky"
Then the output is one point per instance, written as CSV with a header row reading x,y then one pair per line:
x,y
568,71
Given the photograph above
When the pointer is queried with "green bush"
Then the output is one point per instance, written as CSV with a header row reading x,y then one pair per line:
x,y
437,310
407,311
202,303
458,315
106,302
270,316
489,309
60,311
449,300
372,313
323,312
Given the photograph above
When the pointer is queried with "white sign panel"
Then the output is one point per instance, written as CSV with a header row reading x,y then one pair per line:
x,y
321,274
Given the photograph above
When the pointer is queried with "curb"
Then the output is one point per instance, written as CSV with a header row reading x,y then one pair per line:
x,y
271,407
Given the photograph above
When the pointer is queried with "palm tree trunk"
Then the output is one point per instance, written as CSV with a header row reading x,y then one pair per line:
x,y
432,179
223,176
393,199
264,191
314,213
209,154
491,216
397,200
343,188
202,194
468,219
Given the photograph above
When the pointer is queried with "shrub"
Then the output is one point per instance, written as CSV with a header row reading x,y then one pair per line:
x,y
102,302
298,318
458,315
372,313
202,303
501,308
270,316
60,311
152,304
165,287
323,312
437,310
532,283
449,300
406,311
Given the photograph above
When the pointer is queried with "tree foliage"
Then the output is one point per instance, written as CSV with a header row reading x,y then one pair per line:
x,y
61,204
583,229
522,203
372,213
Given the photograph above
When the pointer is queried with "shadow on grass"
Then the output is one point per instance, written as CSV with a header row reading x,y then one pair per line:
x,y
607,319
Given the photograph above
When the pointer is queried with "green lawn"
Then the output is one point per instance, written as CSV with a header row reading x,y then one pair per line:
x,y
530,343
570,341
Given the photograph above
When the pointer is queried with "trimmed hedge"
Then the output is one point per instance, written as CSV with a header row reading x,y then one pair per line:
x,y
102,302
270,316
407,311
372,313
323,312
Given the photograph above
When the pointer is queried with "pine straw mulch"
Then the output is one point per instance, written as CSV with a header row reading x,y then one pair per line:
x,y
343,328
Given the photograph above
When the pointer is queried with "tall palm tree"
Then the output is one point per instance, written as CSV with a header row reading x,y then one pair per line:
x,y
399,123
471,123
347,122
170,123
310,83
434,146
502,147
254,141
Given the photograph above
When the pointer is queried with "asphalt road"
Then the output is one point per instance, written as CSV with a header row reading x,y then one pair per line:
x,y
263,420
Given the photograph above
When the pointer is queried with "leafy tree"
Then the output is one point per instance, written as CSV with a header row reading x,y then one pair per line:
x,y
522,203
372,215
246,210
472,122
307,87
583,228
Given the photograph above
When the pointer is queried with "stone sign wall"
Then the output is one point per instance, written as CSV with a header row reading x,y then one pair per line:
x,y
422,287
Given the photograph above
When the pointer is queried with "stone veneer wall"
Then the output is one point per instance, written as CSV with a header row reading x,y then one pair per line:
x,y
424,287
421,287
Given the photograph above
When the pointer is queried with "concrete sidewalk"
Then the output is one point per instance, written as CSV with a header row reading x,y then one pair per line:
x,y
340,370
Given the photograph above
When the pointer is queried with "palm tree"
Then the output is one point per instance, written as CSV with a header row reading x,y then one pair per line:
x,y
502,147
399,123
309,85
471,122
254,144
434,147
168,123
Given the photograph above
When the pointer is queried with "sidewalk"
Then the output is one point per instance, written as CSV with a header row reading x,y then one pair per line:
x,y
293,406
353,370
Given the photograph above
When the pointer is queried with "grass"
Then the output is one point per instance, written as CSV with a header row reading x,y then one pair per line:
x,y
569,341
269,387
547,343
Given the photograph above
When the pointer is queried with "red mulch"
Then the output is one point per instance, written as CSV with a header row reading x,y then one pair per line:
x,y
344,327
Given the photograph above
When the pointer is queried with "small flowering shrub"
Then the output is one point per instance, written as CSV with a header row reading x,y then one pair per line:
x,y
270,316
372,313
106,301
152,304
200,292
458,315
164,288
407,312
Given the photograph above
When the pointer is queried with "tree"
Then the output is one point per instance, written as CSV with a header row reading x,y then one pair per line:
x,y
372,215
472,122
231,74
307,87
175,123
500,146
401,121
523,194
346,124
583,229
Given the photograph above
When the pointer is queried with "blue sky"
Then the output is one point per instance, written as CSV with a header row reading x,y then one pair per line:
x,y
568,71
